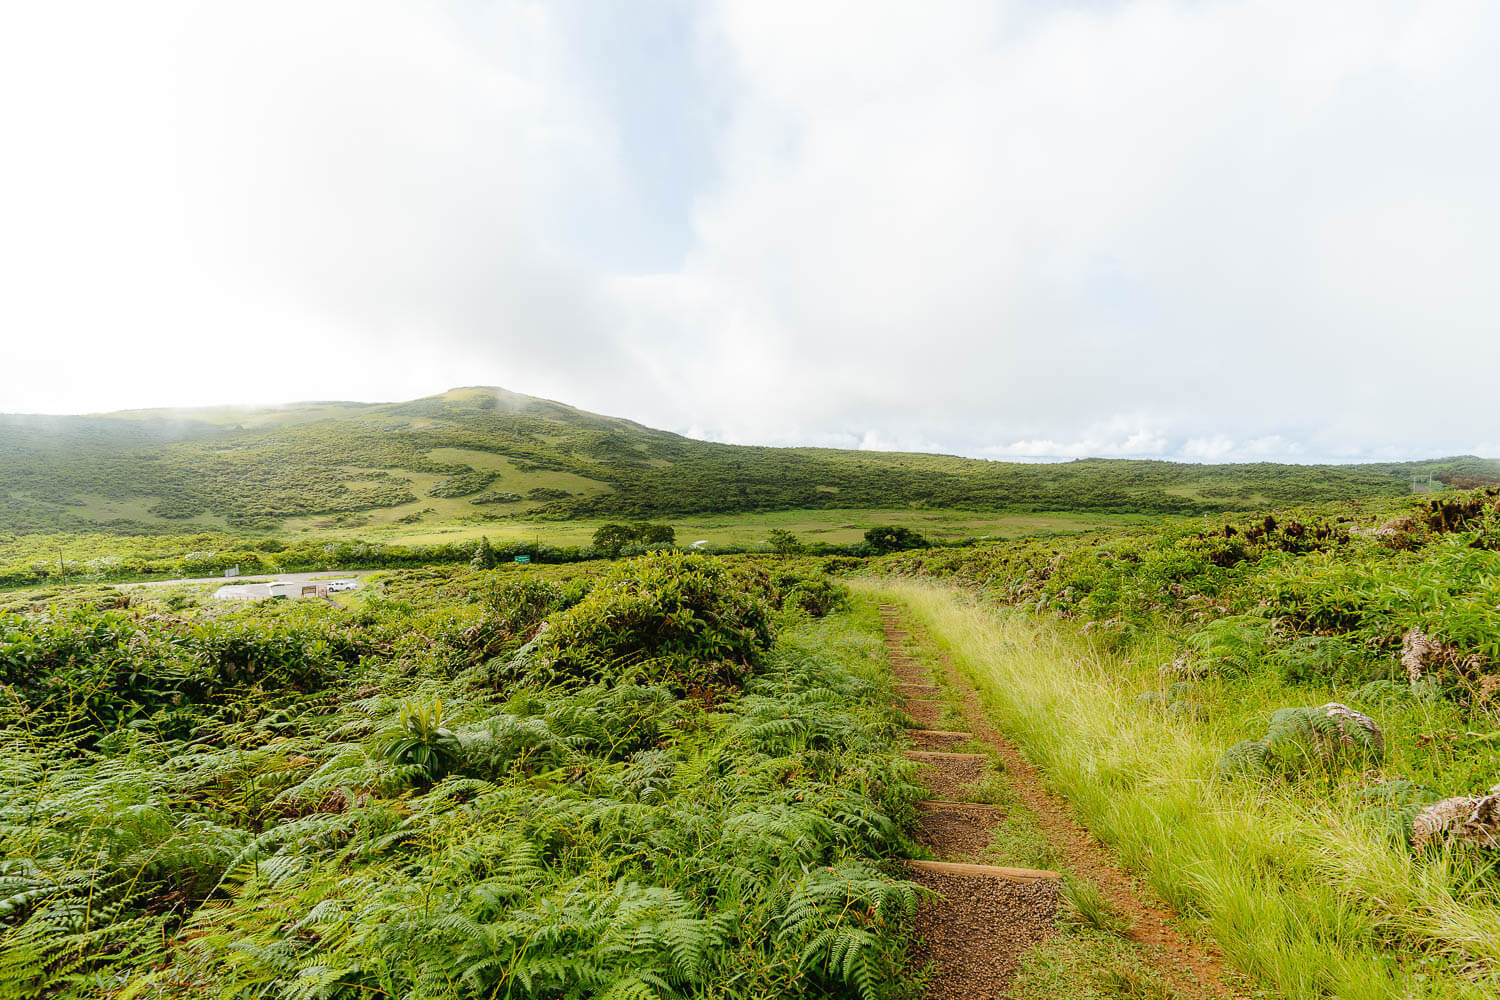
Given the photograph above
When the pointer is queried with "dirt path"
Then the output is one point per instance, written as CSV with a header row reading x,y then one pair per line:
x,y
986,917
959,831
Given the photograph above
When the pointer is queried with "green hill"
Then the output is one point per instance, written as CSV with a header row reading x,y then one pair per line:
x,y
483,453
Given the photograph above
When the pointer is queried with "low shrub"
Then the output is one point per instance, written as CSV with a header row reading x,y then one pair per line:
x,y
664,618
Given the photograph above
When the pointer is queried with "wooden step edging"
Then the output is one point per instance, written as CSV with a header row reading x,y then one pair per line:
x,y
940,732
983,871
940,755
942,805
929,688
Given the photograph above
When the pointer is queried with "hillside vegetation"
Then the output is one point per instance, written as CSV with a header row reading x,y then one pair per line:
x,y
482,454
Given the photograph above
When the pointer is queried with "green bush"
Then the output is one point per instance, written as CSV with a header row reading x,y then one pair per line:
x,y
670,617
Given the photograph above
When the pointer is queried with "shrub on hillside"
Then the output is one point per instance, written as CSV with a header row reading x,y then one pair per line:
x,y
671,618
462,484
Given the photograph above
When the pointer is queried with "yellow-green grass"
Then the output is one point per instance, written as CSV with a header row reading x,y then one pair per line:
x,y
1297,891
835,526
105,509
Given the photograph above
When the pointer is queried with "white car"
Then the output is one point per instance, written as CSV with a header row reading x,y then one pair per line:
x,y
334,586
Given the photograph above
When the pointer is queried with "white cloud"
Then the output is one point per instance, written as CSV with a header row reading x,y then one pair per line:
x,y
1206,230
977,222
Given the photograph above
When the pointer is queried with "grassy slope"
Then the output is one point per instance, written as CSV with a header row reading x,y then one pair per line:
x,y
1294,890
346,466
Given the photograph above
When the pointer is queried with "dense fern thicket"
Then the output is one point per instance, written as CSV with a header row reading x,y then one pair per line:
x,y
490,453
668,778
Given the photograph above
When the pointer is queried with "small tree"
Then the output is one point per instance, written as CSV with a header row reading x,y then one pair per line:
x,y
484,555
784,543
654,534
892,538
609,539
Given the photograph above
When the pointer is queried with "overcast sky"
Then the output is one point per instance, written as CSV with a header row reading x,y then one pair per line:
x,y
1204,230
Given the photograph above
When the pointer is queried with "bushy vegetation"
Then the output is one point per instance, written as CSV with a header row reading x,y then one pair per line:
x,y
611,539
567,783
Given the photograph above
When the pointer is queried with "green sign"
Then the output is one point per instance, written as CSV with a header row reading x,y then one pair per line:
x,y
523,559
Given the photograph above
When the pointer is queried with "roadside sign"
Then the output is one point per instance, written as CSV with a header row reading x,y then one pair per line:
x,y
523,559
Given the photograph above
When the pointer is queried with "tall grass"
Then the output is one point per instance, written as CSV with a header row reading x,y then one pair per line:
x,y
1295,890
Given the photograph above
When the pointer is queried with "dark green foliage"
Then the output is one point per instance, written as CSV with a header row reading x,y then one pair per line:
x,y
790,587
1318,659
886,538
1229,647
666,617
462,484
784,543
611,539
98,671
484,555
420,742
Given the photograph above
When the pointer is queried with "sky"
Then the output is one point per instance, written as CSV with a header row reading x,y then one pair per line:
x,y
1205,231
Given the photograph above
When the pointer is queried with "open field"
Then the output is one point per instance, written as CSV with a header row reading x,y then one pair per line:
x,y
749,529
32,559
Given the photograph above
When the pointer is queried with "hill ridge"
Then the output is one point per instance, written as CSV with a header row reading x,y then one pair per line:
x,y
477,453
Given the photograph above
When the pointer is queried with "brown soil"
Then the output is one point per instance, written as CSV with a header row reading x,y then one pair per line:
x,y
978,930
957,831
937,739
924,711
949,775
1193,969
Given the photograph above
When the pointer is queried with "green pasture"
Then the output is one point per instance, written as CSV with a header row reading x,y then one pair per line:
x,y
833,526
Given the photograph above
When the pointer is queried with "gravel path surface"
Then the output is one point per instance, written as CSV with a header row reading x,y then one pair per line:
x,y
957,831
924,711
949,776
977,932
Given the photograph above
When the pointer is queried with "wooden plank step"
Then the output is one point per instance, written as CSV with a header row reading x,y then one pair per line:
x,y
938,756
907,688
983,871
940,805
937,739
